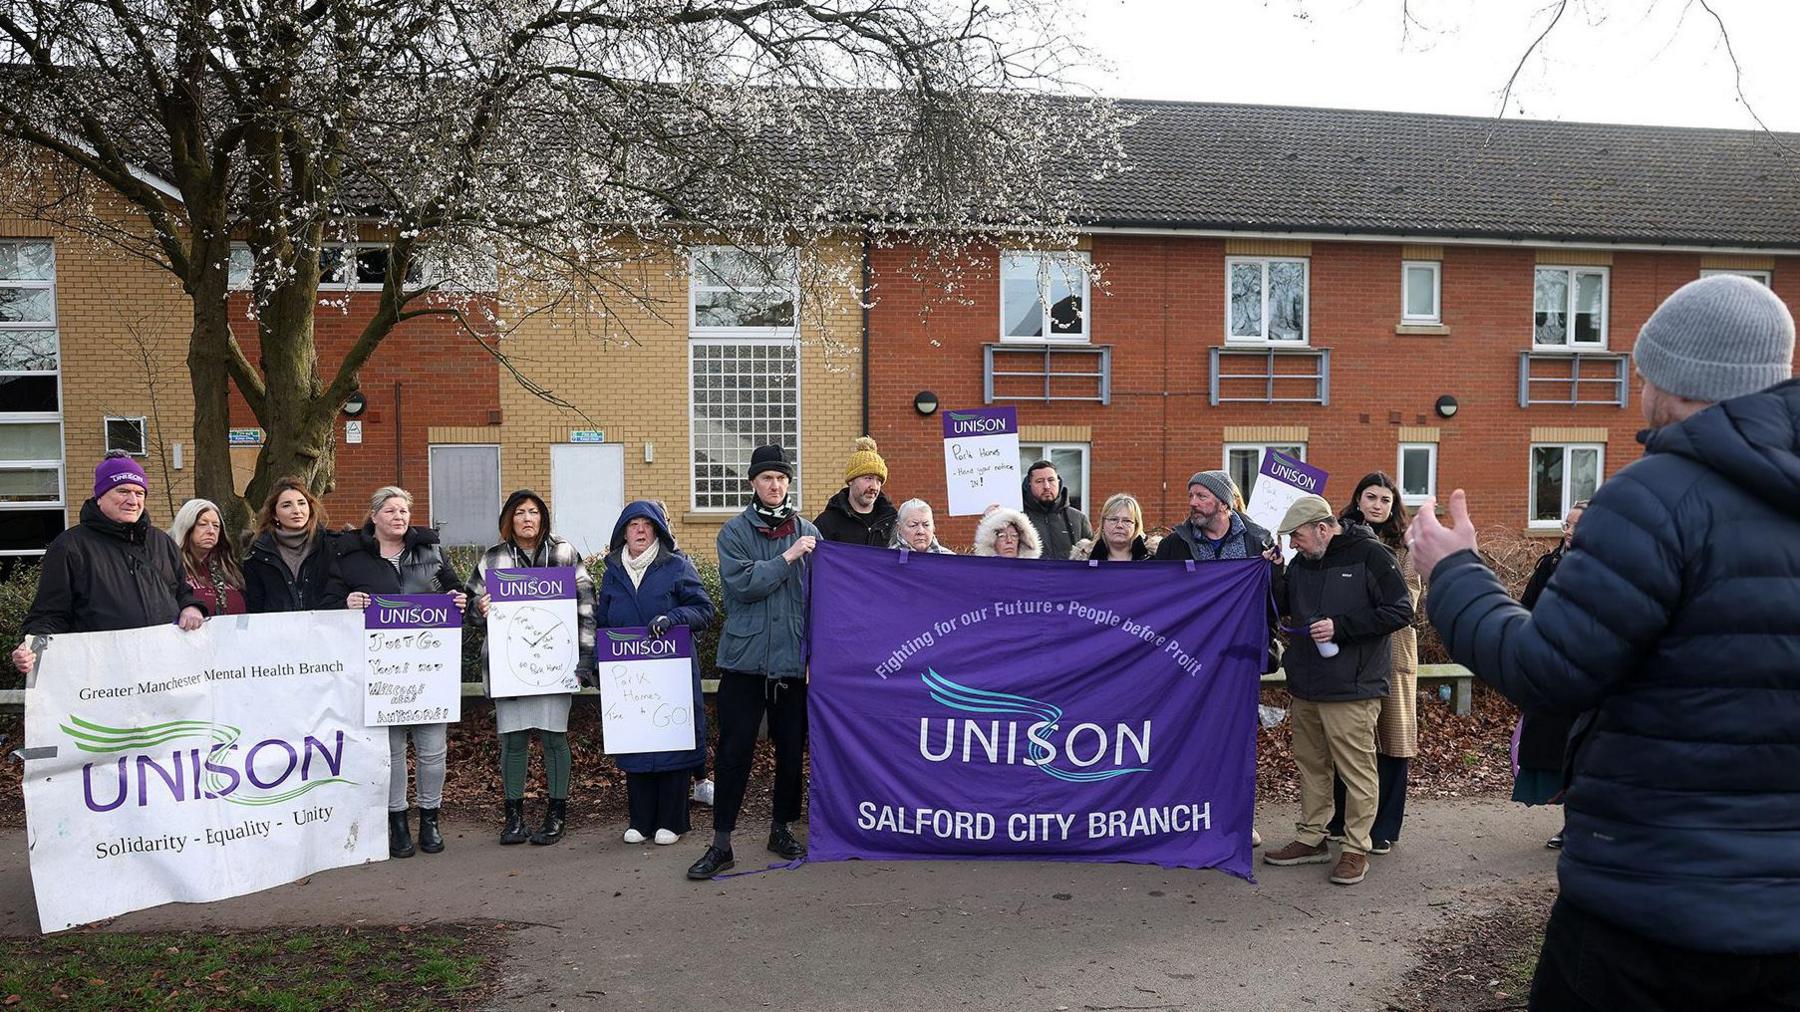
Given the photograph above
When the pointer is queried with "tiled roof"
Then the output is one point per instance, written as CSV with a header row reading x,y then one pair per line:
x,y
1271,168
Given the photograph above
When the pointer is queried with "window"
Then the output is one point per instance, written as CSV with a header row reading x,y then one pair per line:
x,y
127,434
1418,472
1265,300
1758,276
1071,460
1043,297
1420,291
362,266
1562,474
755,292
31,436
1569,308
744,394
1243,461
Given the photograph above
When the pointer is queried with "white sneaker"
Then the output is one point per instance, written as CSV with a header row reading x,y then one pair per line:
x,y
1255,838
633,836
664,838
703,792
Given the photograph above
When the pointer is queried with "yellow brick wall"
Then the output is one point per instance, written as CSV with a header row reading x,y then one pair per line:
x,y
628,373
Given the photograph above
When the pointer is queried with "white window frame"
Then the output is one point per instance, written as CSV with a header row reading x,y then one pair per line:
x,y
39,417
797,485
347,257
1044,451
1573,272
143,430
1437,291
1766,277
1305,297
1262,452
1430,473
1081,264
695,330
1535,523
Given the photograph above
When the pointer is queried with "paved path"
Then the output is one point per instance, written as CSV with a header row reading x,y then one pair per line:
x,y
617,927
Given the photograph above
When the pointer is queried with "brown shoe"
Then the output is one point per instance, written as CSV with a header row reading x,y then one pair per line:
x,y
1298,853
1351,868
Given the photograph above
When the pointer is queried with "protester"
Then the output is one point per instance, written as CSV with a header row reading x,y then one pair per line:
x,y
289,561
1541,740
1376,504
860,514
1058,524
208,559
761,657
649,583
1121,537
1007,534
1676,618
527,542
916,530
1345,593
111,571
1214,530
390,556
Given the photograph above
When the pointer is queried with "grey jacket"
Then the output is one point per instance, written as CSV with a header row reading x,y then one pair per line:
x,y
765,598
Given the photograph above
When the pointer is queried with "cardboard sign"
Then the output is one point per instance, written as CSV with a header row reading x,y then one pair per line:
x,y
646,690
414,652
1281,480
532,632
981,460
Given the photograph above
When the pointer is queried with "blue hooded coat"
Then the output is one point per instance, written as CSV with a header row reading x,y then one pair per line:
x,y
670,587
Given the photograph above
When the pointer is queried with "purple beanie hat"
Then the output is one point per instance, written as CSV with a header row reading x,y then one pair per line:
x,y
118,471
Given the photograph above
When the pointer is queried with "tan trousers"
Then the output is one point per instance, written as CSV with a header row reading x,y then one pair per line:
x,y
1340,735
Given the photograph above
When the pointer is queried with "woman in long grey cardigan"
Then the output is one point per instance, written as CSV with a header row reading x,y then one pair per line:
x,y
526,542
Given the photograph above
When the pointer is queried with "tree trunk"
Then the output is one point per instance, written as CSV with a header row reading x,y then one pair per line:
x,y
209,357
298,425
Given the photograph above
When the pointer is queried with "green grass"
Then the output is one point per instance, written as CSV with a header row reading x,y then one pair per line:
x,y
307,968
1516,977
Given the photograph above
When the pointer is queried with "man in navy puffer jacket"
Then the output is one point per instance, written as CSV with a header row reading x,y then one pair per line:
x,y
1675,616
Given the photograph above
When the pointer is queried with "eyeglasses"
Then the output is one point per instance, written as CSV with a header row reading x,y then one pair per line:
x,y
1121,521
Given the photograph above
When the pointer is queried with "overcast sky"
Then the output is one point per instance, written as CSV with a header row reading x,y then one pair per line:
x,y
1626,61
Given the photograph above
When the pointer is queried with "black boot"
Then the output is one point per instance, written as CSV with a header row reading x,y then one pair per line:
x,y
552,829
515,823
399,835
430,840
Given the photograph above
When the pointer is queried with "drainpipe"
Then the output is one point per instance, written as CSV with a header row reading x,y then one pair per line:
x,y
399,439
864,299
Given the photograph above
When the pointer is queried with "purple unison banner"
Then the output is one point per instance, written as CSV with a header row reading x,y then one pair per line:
x,y
986,708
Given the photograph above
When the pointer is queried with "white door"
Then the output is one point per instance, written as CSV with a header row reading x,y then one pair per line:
x,y
465,494
587,493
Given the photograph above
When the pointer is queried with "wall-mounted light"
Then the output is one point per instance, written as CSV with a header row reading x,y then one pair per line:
x,y
1446,406
925,403
355,404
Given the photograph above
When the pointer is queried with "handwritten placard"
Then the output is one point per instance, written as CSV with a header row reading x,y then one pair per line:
x,y
532,632
981,459
646,690
413,644
1281,480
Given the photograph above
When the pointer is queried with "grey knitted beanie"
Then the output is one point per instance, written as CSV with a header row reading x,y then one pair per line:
x,y
1717,338
1217,482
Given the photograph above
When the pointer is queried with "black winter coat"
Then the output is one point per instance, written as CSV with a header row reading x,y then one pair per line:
x,y
1358,586
1675,615
838,522
1058,524
101,575
1543,737
358,565
1184,542
269,586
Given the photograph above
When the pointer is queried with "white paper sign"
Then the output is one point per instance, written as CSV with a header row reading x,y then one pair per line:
x,y
1281,480
981,460
171,766
414,672
533,632
646,690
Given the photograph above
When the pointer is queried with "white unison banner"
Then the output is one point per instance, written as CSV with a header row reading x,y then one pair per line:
x,y
164,765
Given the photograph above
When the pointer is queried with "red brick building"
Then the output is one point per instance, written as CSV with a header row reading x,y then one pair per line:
x,y
1373,291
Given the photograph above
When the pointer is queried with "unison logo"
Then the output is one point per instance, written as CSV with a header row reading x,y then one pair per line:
x,y
1047,745
405,613
528,585
639,644
271,772
968,424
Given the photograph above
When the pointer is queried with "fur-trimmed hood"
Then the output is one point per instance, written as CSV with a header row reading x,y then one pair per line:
x,y
989,529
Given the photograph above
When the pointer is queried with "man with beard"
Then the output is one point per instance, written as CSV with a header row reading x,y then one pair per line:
x,y
860,513
1059,525
1213,530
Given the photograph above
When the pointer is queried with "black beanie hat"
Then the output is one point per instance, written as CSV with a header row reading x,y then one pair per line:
x,y
770,458
513,501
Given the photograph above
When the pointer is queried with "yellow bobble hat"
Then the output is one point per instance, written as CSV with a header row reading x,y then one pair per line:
x,y
865,461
